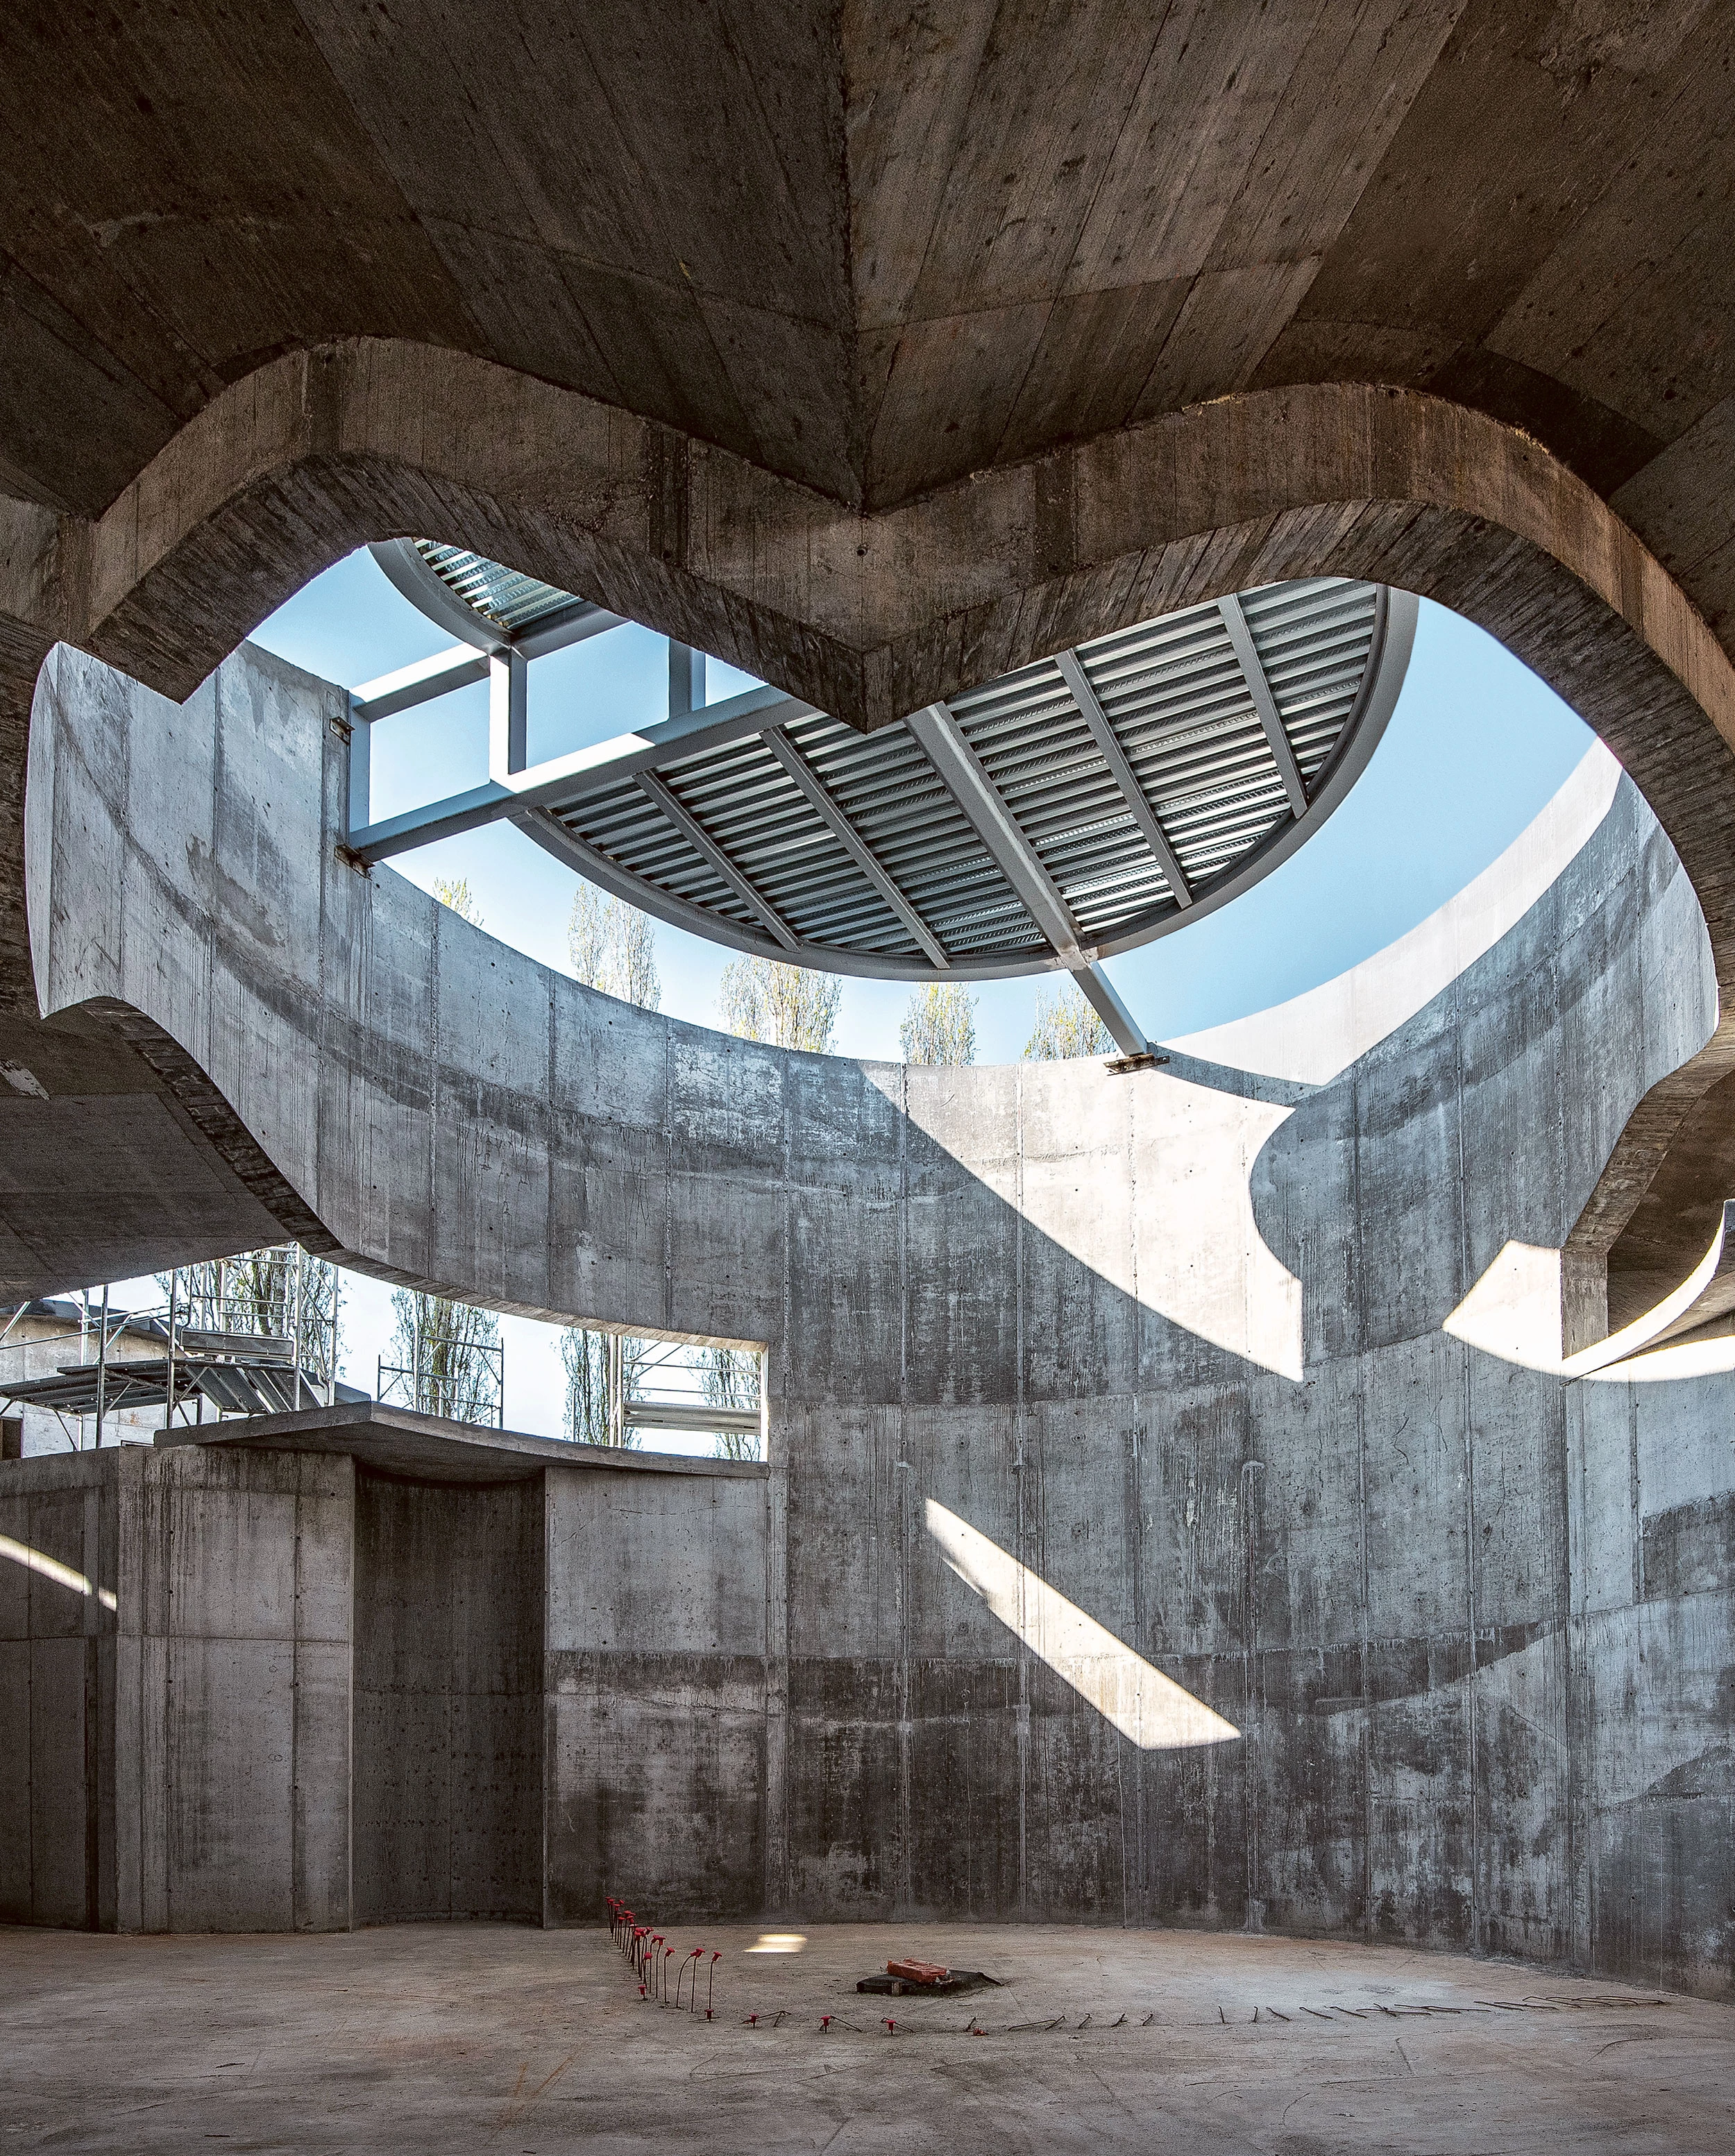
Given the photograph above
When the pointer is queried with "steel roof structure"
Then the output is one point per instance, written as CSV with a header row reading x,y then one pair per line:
x,y
1074,809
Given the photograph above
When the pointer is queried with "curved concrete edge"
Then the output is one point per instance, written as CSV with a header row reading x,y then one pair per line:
x,y
1514,1312
860,612
870,614
1312,1037
170,852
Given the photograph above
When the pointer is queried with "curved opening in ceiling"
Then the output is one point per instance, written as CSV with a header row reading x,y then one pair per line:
x,y
1078,807
1474,746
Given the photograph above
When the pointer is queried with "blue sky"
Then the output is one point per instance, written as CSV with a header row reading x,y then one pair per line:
x,y
1475,748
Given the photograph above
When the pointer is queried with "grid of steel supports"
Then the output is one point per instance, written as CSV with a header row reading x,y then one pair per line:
x,y
1074,809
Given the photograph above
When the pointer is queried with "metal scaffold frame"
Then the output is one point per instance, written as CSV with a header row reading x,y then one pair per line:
x,y
217,1350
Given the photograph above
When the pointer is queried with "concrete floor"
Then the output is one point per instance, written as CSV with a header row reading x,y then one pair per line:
x,y
468,2037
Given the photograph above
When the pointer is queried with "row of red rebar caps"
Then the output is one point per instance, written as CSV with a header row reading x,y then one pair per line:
x,y
650,1954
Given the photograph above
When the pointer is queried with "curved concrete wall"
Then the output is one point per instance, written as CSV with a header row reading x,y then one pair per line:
x,y
1170,1347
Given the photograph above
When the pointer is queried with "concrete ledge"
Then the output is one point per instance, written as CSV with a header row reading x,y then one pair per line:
x,y
427,1448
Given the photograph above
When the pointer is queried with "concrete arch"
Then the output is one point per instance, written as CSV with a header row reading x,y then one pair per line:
x,y
870,614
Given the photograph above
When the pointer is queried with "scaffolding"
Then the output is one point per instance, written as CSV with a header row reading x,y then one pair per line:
x,y
217,1344
460,1380
668,1389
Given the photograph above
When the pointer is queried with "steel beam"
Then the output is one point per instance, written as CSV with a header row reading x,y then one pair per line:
x,y
419,684
358,808
702,843
851,840
1099,991
963,778
1109,748
508,714
1235,620
563,780
687,679
573,625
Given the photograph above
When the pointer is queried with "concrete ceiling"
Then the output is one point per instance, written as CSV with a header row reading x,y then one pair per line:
x,y
1160,284
873,248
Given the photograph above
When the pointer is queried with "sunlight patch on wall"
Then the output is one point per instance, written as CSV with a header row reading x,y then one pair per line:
x,y
50,1567
1514,1312
1191,1250
1202,1261
1155,1713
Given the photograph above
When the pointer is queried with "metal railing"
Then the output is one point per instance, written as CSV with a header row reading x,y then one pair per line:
x,y
219,1342
465,1381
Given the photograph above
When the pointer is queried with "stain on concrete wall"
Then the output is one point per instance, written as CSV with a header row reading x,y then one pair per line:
x,y
1221,1418
448,1700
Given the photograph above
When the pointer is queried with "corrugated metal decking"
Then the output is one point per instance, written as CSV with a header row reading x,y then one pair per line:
x,y
1074,809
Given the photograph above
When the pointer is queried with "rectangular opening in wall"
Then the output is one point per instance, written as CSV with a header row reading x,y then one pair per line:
x,y
662,1394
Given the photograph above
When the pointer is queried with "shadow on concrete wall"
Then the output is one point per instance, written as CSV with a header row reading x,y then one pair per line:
x,y
1172,1345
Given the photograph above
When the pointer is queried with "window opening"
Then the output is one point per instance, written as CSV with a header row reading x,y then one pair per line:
x,y
257,1334
623,1389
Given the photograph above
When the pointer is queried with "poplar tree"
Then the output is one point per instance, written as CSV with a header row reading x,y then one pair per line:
x,y
1066,1026
940,1024
788,1006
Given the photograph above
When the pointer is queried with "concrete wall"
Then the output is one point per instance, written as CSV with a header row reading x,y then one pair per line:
x,y
247,1689
175,1689
57,1678
1174,1343
448,1700
663,1705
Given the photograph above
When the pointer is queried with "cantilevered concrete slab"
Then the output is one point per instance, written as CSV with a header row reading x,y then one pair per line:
x,y
426,1448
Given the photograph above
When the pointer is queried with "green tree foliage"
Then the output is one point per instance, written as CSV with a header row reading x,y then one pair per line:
x,y
455,892
940,1024
447,1351
614,948
586,1356
730,1378
1066,1026
790,1006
